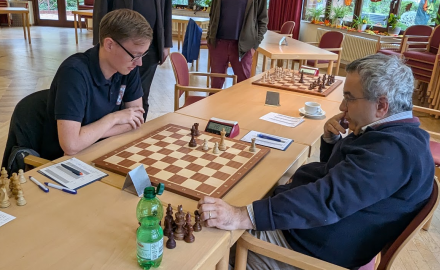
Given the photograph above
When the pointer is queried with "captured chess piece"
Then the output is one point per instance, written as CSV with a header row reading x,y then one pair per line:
x,y
215,149
222,145
196,126
192,142
15,184
179,233
253,148
301,79
205,145
189,237
197,225
4,198
171,243
20,199
168,227
4,173
21,177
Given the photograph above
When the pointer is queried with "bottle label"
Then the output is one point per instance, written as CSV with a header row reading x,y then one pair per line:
x,y
150,251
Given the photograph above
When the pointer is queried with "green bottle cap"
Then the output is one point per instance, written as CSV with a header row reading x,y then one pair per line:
x,y
149,193
160,188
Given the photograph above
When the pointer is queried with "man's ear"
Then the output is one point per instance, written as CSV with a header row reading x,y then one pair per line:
x,y
382,107
108,44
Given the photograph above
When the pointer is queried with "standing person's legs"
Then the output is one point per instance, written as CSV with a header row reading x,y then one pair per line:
x,y
259,262
241,68
219,61
146,71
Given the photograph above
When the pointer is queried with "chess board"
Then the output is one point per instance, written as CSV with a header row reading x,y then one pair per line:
x,y
287,84
190,172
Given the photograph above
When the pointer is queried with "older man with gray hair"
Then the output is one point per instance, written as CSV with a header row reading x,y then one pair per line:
x,y
367,186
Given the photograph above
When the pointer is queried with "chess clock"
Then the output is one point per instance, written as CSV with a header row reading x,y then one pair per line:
x,y
215,125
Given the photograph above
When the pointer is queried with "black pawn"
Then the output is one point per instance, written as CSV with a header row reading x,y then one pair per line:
x,y
320,88
301,79
197,226
311,86
171,243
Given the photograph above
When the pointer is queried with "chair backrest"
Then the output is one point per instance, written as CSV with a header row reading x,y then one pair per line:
x,y
287,28
180,68
331,39
417,30
89,2
388,255
4,3
434,41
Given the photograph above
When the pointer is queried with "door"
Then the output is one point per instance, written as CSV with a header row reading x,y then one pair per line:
x,y
55,12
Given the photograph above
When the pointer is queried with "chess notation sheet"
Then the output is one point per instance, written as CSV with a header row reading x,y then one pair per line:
x,y
5,218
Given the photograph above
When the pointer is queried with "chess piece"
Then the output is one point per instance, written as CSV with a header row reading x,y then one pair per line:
x,y
169,215
320,88
7,184
15,184
171,243
311,86
20,199
4,173
329,81
222,145
168,227
215,149
205,145
324,77
301,79
187,221
319,80
192,142
197,132
253,148
21,176
4,198
197,225
189,237
179,233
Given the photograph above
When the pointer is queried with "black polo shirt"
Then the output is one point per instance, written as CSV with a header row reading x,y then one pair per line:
x,y
80,92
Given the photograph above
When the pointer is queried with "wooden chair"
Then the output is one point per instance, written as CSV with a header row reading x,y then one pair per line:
x,y
424,65
286,29
5,3
330,41
183,78
415,33
85,5
383,261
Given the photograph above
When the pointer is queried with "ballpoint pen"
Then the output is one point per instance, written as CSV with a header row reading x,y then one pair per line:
x,y
72,169
269,138
67,190
43,188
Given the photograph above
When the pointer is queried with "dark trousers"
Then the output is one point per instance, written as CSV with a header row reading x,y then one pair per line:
x,y
146,71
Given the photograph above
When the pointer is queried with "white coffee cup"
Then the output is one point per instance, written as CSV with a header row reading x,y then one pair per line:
x,y
312,107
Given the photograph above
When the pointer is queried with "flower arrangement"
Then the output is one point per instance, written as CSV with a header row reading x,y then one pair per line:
x,y
315,14
392,20
362,22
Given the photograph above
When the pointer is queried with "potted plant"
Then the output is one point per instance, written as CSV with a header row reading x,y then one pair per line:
x,y
392,20
361,23
315,14
208,4
337,14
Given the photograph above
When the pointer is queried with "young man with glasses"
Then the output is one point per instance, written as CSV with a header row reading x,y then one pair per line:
x,y
366,188
88,91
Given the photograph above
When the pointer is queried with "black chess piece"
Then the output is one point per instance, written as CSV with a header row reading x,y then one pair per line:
x,y
319,81
171,243
329,81
320,88
324,77
311,86
301,79
192,142
196,126
189,237
168,226
197,225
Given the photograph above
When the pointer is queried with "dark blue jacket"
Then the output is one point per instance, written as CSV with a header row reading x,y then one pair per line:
x,y
361,196
191,44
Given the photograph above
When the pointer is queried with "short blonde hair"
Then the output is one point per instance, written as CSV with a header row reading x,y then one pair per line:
x,y
125,24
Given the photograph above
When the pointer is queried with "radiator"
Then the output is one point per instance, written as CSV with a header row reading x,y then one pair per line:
x,y
353,46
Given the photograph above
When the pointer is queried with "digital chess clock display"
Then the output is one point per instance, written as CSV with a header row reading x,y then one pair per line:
x,y
216,125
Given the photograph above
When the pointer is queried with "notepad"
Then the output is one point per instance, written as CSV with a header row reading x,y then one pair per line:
x,y
282,119
69,179
269,143
5,218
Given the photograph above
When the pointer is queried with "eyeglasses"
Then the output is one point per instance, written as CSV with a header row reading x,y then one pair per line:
x,y
347,99
133,58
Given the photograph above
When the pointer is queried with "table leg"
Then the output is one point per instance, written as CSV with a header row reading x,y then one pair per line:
x,y
80,22
330,68
223,264
179,27
24,25
28,26
76,30
264,63
254,64
272,63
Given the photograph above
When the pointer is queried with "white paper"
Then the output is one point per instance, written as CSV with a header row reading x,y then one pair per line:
x,y
136,181
5,218
70,180
282,119
265,142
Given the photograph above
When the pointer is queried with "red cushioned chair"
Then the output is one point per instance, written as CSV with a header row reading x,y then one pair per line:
x,y
85,5
383,260
5,18
183,78
415,33
330,41
424,65
287,29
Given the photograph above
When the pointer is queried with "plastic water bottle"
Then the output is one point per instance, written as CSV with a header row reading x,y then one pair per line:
x,y
149,243
149,236
150,205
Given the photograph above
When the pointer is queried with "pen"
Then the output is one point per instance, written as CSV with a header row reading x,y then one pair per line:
x,y
43,188
269,138
67,190
72,169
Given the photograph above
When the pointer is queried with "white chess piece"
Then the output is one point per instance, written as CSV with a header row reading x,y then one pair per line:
x,y
21,176
205,145
253,148
222,145
4,198
20,199
215,149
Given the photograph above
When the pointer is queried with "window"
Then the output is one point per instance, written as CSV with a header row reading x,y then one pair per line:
x,y
376,11
418,12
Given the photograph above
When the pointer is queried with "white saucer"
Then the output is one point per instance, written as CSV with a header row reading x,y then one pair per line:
x,y
318,115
